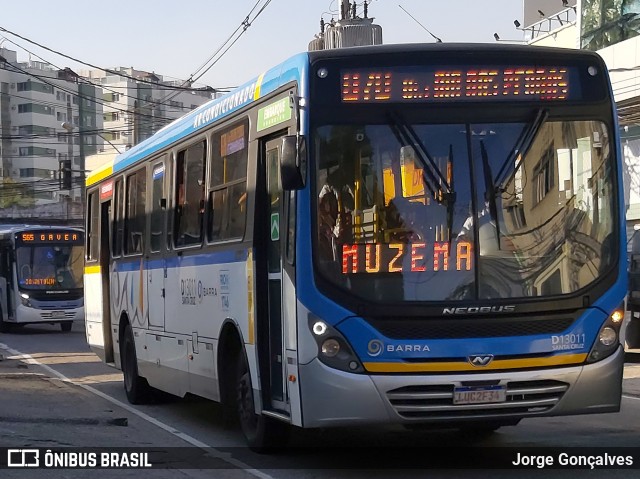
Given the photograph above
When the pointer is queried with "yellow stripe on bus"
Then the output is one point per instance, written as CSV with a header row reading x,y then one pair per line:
x,y
256,92
91,269
454,366
99,174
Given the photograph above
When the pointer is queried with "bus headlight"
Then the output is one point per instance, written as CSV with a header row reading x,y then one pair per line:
x,y
24,298
330,348
608,337
333,348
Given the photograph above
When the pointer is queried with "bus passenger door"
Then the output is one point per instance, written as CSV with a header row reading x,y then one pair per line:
x,y
155,261
270,322
105,215
98,328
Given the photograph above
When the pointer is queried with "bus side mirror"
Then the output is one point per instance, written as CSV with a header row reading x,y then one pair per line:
x,y
293,163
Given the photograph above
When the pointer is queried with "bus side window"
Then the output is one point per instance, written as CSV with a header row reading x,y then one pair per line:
x,y
157,208
135,219
217,200
189,209
93,220
118,222
228,200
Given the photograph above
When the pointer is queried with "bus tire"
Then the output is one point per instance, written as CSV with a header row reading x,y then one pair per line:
x,y
263,434
136,387
66,326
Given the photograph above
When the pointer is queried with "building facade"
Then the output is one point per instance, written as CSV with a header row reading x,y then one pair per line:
x,y
611,28
55,125
136,104
41,160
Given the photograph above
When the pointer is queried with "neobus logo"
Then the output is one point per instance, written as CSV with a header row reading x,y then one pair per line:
x,y
480,310
480,360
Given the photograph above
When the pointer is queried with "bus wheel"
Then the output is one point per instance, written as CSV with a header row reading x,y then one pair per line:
x,y
137,388
263,434
66,326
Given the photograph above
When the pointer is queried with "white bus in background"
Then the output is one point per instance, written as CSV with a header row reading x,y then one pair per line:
x,y
41,268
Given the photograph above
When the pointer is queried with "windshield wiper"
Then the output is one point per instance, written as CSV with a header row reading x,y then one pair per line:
x,y
522,146
452,195
490,190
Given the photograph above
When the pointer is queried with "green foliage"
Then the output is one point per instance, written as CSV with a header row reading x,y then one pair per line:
x,y
14,193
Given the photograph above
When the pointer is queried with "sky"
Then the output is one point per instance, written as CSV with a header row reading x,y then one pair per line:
x,y
176,39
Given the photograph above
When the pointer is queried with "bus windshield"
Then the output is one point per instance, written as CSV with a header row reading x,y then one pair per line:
x,y
434,212
50,267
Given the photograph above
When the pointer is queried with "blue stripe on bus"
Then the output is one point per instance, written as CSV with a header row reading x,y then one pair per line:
x,y
205,259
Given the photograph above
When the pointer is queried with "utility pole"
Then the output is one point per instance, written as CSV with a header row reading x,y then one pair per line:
x,y
350,30
69,173
65,165
69,163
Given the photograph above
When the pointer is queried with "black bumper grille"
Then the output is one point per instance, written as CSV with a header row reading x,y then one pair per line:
x,y
453,328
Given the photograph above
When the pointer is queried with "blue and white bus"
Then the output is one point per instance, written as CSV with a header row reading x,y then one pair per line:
x,y
41,267
399,234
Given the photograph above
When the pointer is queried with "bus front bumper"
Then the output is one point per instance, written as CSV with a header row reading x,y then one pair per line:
x,y
26,315
332,398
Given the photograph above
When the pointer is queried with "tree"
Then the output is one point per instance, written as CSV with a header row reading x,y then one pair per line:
x,y
14,193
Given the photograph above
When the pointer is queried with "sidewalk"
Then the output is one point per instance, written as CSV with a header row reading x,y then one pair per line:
x,y
631,378
45,412
38,410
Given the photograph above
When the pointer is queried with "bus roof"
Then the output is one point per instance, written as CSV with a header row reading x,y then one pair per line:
x,y
290,70
293,69
468,49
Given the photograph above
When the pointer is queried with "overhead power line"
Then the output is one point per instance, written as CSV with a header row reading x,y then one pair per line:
x,y
245,24
226,45
438,40
111,88
48,81
106,70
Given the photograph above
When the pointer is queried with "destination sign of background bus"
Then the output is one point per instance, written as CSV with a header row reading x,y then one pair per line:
x,y
49,237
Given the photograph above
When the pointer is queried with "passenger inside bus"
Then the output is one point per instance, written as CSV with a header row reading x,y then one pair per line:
x,y
336,205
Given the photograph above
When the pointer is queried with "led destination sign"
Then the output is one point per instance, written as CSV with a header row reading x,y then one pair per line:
x,y
50,237
406,257
427,84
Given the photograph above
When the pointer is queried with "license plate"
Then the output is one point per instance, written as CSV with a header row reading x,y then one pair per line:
x,y
479,395
57,314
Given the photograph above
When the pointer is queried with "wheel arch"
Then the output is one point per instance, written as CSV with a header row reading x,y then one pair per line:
x,y
230,345
123,322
